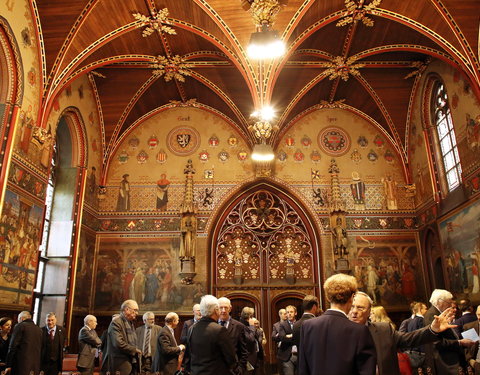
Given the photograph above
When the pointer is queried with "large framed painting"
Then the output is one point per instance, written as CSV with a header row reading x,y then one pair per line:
x,y
84,276
460,237
146,270
20,232
388,268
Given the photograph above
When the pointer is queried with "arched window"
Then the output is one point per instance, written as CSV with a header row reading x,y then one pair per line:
x,y
445,134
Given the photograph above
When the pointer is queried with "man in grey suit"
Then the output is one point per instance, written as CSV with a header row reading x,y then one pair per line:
x,y
124,357
88,342
388,341
147,340
166,358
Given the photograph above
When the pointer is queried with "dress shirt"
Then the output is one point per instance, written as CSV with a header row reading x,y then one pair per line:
x,y
226,322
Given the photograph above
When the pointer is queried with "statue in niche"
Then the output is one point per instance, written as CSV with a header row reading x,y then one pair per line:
x,y
188,229
123,200
340,240
390,186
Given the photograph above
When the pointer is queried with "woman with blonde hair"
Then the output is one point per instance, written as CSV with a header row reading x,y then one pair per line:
x,y
378,314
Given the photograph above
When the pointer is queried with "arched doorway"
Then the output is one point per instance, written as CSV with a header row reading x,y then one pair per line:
x,y
434,256
265,247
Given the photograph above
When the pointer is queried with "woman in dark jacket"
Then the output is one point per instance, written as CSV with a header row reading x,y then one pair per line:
x,y
5,329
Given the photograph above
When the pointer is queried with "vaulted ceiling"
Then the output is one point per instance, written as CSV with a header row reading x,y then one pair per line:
x,y
388,41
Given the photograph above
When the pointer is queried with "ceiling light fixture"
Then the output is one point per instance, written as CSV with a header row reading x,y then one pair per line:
x,y
262,153
265,44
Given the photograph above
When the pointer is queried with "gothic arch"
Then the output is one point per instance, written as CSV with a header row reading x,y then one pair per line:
x,y
11,95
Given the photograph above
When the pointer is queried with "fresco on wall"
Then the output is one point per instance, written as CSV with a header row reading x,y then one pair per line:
x,y
460,236
146,270
388,269
20,232
84,275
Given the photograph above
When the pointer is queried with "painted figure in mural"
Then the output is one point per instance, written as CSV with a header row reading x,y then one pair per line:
x,y
358,191
390,186
166,284
162,192
139,284
473,132
372,281
151,286
188,229
340,240
123,202
92,182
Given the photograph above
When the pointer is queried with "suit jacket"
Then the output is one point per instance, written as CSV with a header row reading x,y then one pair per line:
x,y
166,358
404,324
296,328
122,346
140,332
388,341
53,350
285,350
471,353
237,335
211,349
275,338
445,355
333,336
464,319
88,341
184,334
26,338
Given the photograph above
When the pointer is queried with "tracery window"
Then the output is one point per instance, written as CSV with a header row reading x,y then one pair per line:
x,y
442,120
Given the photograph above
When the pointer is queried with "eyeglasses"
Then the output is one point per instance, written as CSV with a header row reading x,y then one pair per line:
x,y
359,308
135,310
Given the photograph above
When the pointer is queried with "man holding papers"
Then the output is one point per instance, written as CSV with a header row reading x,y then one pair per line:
x,y
471,331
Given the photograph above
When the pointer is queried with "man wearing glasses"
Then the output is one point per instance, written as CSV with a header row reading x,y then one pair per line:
x,y
445,355
124,356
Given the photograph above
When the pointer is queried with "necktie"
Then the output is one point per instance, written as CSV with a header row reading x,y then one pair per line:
x,y
222,323
52,334
146,344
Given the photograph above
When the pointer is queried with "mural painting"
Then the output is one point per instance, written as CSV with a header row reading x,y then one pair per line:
x,y
20,232
143,269
388,269
83,282
460,236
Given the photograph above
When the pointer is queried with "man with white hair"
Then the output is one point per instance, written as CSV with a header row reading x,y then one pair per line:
x,y
446,355
124,356
166,359
387,340
211,351
25,347
147,336
237,332
88,342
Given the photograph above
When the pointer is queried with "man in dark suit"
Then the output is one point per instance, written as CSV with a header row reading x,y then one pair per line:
x,y
282,314
147,336
445,355
287,351
52,346
236,332
404,323
88,342
211,349
24,352
197,315
166,358
122,349
466,309
472,354
310,310
387,340
331,344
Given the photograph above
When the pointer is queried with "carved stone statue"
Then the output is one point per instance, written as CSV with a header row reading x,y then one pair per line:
x,y
340,240
188,229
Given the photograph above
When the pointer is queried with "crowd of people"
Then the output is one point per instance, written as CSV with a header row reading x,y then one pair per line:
x,y
351,337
